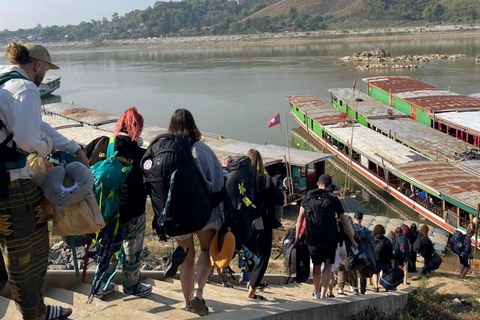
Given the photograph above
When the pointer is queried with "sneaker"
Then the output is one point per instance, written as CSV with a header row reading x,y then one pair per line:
x,y
145,290
174,261
102,293
351,289
341,293
330,295
316,295
355,291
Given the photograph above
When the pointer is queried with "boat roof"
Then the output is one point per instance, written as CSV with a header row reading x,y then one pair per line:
x,y
416,135
469,120
83,132
429,141
472,166
446,179
364,104
422,95
375,146
318,110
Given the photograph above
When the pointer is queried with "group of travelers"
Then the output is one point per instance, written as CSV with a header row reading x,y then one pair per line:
x,y
322,226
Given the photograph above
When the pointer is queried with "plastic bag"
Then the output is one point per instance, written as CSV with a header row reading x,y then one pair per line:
x,y
40,167
79,218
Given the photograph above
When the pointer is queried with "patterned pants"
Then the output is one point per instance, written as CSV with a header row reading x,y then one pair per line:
x,y
24,247
132,254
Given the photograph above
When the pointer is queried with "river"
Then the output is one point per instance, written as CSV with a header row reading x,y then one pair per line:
x,y
234,91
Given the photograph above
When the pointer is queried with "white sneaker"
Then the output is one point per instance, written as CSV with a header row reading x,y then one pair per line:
x,y
316,295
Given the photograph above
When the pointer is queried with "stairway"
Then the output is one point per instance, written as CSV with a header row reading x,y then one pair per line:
x,y
167,302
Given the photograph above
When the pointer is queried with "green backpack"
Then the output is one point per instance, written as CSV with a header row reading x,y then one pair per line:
x,y
109,176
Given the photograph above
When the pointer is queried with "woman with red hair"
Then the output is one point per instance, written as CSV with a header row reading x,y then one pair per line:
x,y
132,201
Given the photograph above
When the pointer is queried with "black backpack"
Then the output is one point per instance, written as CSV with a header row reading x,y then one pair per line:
x,y
240,191
434,263
321,225
380,249
180,198
392,279
456,242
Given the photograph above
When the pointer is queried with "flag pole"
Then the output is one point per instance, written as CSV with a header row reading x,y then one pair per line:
x,y
288,148
285,158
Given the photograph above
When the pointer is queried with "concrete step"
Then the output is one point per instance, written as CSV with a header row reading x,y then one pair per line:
x,y
110,309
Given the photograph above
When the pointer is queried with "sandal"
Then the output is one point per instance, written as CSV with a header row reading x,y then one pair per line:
x,y
189,309
258,297
226,284
198,304
55,313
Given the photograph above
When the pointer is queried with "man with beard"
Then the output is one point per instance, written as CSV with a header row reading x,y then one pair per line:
x,y
23,228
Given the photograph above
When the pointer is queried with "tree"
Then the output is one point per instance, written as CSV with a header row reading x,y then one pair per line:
x,y
433,12
292,13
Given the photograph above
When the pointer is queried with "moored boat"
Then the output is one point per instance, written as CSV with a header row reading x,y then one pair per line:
x,y
449,112
444,193
49,85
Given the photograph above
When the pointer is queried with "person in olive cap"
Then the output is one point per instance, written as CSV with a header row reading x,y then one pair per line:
x,y
321,209
23,227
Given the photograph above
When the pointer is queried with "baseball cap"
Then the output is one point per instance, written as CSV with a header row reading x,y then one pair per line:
x,y
358,215
325,179
40,53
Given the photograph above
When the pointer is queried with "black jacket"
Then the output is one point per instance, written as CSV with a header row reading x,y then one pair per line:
x,y
134,196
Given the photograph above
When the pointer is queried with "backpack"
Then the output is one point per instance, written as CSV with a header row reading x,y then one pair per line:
x,y
180,199
456,242
321,226
417,244
380,250
402,241
392,279
434,263
366,252
240,192
9,157
109,176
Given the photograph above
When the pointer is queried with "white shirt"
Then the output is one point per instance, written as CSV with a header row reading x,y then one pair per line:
x,y
20,111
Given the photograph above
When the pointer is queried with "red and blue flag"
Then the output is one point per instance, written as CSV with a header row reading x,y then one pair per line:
x,y
274,121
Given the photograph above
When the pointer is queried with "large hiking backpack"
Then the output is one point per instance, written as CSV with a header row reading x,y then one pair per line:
x,y
109,176
240,188
365,251
456,242
180,198
321,227
392,279
296,259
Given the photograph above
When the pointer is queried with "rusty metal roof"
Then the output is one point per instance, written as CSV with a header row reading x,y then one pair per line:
x,y
364,104
445,178
83,115
375,146
418,136
317,109
423,95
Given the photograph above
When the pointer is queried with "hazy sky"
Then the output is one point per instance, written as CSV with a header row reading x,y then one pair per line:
x,y
28,13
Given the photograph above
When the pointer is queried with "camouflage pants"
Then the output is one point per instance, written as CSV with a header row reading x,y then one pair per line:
x,y
24,247
132,254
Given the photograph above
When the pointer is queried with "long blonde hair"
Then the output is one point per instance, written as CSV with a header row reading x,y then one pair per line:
x,y
257,164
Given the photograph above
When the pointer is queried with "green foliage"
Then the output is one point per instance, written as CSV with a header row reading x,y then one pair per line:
x,y
211,17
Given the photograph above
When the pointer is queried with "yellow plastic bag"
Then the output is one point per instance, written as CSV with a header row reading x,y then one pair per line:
x,y
40,168
79,218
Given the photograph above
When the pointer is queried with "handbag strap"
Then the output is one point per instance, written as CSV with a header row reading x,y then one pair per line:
x,y
111,147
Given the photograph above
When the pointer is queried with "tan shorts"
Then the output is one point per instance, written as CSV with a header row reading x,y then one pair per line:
x,y
214,225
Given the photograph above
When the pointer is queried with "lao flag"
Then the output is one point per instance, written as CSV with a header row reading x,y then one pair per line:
x,y
274,121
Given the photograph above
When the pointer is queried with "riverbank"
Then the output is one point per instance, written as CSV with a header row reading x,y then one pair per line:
x,y
371,34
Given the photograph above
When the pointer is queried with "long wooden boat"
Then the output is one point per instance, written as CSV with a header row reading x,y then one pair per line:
x,y
449,112
300,168
49,85
427,186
